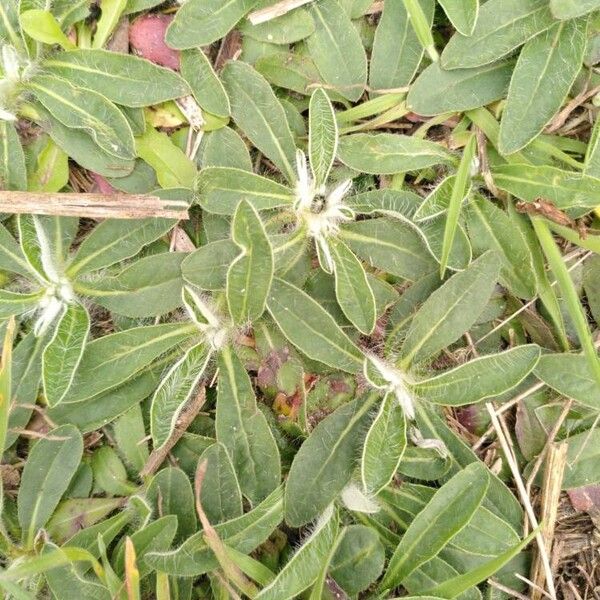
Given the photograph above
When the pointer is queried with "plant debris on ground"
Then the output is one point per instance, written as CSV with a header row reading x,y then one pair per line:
x,y
300,299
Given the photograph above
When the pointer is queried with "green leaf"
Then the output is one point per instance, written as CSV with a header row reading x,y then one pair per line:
x,y
122,78
322,136
569,9
352,288
204,83
250,274
337,50
384,446
149,287
78,108
302,570
202,22
446,514
170,493
397,52
225,148
455,586
502,26
65,582
13,174
358,559
259,114
311,328
129,431
292,71
41,26
571,376
52,172
461,184
481,378
221,497
207,267
387,153
113,359
219,190
499,500
390,245
437,91
110,475
325,462
82,148
243,430
286,29
154,537
13,303
462,14
244,533
569,293
51,464
174,391
92,413
582,460
63,354
491,228
173,168
565,189
451,309
111,13
543,76
115,240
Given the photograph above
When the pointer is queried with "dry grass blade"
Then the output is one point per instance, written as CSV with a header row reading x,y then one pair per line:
x,y
277,10
93,206
188,414
551,487
525,500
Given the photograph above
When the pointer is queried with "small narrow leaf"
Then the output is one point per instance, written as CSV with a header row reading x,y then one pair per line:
x,y
174,391
303,568
543,76
353,291
243,430
325,462
51,464
502,26
337,50
484,377
447,513
462,14
459,190
250,274
322,136
451,309
384,446
259,114
386,153
311,328
63,354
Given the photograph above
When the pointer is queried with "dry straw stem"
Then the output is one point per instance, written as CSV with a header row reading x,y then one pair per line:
x,y
277,10
188,414
93,206
514,467
551,487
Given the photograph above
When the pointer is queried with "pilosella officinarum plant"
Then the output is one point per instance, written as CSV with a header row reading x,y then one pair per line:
x,y
391,243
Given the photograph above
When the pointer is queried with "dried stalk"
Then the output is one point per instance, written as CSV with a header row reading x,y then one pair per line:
x,y
188,414
553,477
512,463
277,10
94,206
